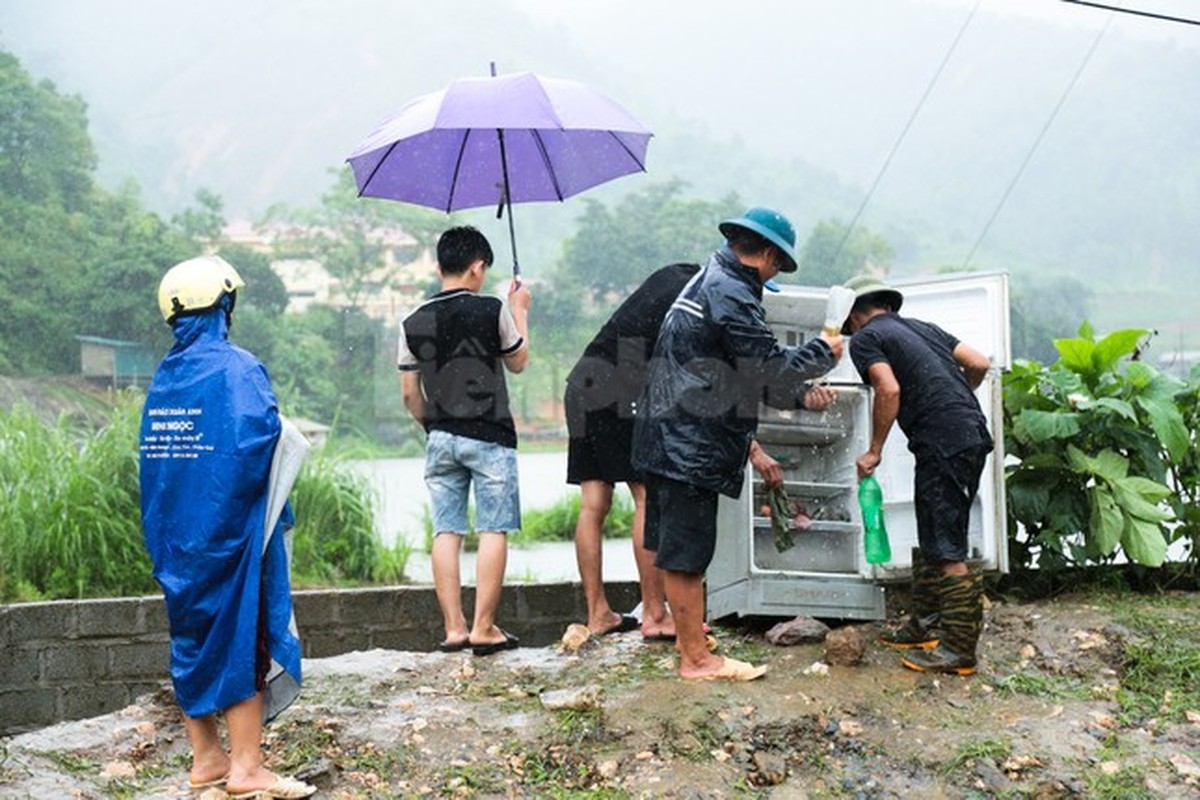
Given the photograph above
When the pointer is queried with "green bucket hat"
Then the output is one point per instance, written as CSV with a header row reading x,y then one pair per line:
x,y
772,226
865,285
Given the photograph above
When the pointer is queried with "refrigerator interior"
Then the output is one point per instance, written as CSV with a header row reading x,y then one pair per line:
x,y
825,574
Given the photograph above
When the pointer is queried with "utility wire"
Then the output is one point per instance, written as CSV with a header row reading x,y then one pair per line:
x,y
1135,12
1037,141
904,132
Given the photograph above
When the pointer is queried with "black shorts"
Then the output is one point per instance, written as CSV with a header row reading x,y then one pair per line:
x,y
601,444
944,489
681,525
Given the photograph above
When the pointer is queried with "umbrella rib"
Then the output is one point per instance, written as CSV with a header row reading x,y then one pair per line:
x,y
462,149
624,147
376,168
541,146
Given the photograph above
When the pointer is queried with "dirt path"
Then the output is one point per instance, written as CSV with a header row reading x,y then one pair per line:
x,y
1054,712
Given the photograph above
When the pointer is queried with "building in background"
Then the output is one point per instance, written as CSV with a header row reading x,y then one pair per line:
x,y
399,284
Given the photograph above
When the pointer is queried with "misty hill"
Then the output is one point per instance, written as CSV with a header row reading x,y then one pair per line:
x,y
797,105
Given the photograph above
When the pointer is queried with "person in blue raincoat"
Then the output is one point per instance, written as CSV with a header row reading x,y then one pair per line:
x,y
210,430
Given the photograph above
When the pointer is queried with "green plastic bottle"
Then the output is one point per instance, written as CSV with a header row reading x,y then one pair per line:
x,y
875,538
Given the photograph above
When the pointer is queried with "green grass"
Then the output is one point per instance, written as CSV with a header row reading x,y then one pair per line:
x,y
1161,677
70,515
1038,685
995,749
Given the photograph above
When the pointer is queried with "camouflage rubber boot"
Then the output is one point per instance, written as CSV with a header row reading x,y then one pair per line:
x,y
962,620
918,632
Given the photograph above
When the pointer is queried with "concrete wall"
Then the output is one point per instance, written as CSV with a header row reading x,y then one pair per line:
x,y
75,659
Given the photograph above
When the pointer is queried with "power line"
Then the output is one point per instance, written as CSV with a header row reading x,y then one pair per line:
x,y
1136,12
1037,141
904,132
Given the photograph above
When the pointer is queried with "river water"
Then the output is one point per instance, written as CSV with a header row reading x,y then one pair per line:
x,y
402,502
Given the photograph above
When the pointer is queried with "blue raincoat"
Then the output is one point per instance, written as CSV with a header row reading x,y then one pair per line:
x,y
209,429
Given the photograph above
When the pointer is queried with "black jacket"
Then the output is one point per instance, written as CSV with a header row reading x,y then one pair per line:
x,y
715,361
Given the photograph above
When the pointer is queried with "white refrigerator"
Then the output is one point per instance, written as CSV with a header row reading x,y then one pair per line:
x,y
825,574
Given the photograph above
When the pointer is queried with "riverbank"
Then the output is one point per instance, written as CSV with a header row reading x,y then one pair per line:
x,y
1078,696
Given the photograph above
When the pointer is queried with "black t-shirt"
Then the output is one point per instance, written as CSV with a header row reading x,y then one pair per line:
x,y
937,407
613,367
457,339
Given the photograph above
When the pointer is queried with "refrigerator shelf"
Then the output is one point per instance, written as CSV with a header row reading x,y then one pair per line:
x,y
809,488
762,526
782,433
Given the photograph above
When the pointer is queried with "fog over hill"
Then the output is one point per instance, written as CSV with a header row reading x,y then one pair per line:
x,y
794,104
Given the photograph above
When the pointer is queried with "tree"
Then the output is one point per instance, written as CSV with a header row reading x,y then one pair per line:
x,y
616,249
46,156
265,291
352,237
830,257
204,223
1040,309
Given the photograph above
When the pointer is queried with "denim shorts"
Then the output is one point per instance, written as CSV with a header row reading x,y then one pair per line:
x,y
452,464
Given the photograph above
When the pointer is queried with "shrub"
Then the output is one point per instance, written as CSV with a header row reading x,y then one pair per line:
x,y
1093,439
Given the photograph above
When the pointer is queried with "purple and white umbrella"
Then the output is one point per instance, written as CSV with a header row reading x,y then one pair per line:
x,y
501,140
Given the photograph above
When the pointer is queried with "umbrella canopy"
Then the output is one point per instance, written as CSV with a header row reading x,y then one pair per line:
x,y
497,141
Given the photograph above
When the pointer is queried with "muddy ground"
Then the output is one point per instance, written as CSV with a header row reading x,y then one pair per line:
x,y
1052,713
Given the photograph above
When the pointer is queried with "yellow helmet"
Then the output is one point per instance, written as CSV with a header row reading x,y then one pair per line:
x,y
196,285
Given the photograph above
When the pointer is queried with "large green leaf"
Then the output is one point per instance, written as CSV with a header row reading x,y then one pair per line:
x,y
1132,502
1143,542
1111,348
1075,354
1139,375
1164,387
1039,426
1119,406
1168,425
1065,381
1107,464
1027,501
1043,460
1106,523
1151,491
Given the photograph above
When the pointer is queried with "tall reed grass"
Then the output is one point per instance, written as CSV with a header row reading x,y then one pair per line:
x,y
70,518
69,521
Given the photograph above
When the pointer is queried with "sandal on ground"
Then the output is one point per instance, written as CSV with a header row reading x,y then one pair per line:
x,y
200,786
733,670
454,647
509,642
281,789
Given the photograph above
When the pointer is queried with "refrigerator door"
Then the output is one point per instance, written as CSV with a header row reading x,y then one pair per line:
x,y
974,308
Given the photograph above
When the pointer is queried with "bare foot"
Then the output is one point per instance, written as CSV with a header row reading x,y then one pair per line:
x,y
208,772
604,623
250,781
728,669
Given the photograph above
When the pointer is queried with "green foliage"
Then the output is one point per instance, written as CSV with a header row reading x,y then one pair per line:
x,y
1041,309
1161,655
335,539
831,257
615,249
70,518
74,259
349,235
264,290
1092,437
46,156
557,522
